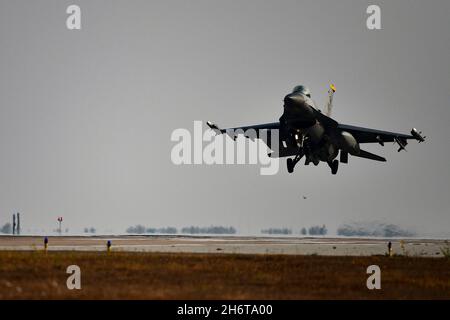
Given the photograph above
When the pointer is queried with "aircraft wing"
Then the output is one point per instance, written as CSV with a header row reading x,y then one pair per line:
x,y
267,139
367,135
257,127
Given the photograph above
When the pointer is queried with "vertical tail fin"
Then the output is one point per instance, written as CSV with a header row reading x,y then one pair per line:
x,y
329,104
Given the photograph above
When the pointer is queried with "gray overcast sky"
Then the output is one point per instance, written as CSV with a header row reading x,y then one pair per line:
x,y
86,116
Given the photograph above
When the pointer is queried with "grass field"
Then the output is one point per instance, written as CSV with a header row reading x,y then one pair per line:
x,y
121,275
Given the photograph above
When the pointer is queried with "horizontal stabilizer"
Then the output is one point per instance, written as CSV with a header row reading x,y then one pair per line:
x,y
368,155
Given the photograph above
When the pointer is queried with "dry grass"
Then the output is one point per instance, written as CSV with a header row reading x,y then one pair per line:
x,y
120,275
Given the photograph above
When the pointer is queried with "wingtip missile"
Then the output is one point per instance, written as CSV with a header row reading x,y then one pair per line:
x,y
417,135
213,127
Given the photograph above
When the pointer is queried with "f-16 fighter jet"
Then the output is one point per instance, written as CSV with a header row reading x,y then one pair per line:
x,y
306,131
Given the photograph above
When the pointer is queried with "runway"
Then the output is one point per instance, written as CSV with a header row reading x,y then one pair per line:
x,y
231,244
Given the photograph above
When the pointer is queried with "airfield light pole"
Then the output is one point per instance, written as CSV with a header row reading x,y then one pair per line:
x,y
18,223
14,224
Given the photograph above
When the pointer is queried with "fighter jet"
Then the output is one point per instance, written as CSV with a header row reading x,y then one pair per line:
x,y
306,131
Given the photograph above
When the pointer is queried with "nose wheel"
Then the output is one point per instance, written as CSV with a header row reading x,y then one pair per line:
x,y
334,165
292,162
290,165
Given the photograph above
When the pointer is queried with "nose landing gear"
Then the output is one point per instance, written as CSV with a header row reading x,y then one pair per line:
x,y
292,162
334,165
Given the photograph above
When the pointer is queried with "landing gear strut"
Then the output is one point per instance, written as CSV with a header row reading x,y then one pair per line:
x,y
292,162
334,165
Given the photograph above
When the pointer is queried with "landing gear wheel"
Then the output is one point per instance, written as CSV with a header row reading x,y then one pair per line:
x,y
290,165
334,166
292,162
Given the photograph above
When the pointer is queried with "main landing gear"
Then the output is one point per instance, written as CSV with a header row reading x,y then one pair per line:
x,y
334,165
292,162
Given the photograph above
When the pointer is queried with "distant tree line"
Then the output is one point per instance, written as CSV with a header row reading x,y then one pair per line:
x,y
6,228
90,230
313,231
208,230
140,229
317,230
169,230
373,229
276,231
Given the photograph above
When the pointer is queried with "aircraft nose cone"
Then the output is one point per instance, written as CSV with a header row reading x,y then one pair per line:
x,y
294,99
298,109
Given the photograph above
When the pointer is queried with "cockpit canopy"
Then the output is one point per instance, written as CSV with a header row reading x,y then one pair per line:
x,y
302,90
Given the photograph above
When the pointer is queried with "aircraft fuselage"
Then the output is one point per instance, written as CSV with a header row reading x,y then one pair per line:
x,y
300,123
